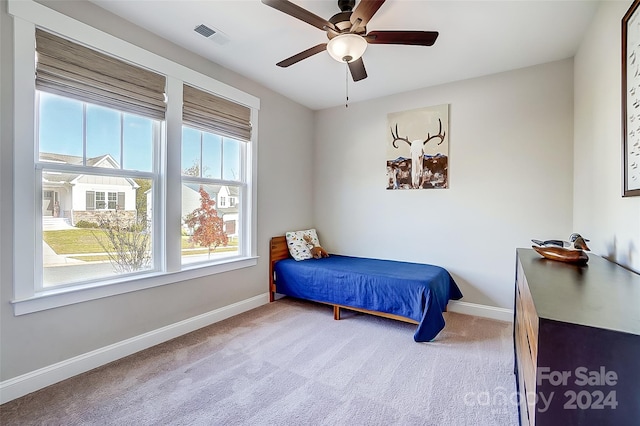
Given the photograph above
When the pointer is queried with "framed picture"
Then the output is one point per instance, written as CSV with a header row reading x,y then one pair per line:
x,y
418,148
631,101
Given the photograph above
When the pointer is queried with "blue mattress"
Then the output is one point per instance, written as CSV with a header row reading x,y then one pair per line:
x,y
411,290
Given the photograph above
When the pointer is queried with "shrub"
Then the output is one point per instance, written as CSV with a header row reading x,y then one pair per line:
x,y
129,248
86,224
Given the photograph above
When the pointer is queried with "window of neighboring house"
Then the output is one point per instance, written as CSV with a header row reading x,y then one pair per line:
x,y
112,200
107,152
100,204
223,201
96,200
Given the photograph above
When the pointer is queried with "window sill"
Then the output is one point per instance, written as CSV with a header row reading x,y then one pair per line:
x,y
55,298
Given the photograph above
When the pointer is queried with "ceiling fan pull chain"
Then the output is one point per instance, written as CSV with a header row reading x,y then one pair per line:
x,y
346,83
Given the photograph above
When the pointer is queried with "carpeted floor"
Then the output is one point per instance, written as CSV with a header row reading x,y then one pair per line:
x,y
290,363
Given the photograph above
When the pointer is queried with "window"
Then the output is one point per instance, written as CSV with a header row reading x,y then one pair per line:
x,y
105,237
215,134
94,140
206,158
100,204
96,200
105,155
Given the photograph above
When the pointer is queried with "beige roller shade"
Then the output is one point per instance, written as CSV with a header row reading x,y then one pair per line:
x,y
69,69
214,114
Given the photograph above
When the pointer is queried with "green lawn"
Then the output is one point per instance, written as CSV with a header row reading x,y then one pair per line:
x,y
70,241
80,241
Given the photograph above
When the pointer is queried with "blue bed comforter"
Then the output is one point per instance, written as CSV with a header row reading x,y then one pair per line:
x,y
412,290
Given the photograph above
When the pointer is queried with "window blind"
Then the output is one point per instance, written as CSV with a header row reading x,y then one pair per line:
x,y
90,200
212,113
68,69
120,205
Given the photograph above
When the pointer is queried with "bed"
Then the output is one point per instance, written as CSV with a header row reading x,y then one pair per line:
x,y
410,292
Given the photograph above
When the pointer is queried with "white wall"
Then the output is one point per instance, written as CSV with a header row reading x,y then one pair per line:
x,y
510,171
600,212
33,341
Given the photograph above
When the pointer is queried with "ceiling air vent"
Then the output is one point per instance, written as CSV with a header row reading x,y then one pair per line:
x,y
205,31
212,33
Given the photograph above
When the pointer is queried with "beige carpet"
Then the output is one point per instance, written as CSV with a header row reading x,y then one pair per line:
x,y
290,363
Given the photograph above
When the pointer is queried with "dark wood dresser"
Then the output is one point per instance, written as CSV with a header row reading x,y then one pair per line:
x,y
577,342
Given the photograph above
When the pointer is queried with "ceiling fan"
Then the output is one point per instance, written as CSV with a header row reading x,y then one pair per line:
x,y
347,33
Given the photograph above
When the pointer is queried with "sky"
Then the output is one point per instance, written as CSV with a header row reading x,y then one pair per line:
x,y
128,139
61,132
213,150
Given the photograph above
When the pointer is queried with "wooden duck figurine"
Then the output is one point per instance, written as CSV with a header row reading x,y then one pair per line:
x,y
572,251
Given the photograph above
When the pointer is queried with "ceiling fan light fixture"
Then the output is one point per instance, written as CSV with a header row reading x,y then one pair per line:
x,y
347,47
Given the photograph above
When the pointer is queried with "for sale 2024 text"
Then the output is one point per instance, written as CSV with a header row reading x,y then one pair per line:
x,y
596,395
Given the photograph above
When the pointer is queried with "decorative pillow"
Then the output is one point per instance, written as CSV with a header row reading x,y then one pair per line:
x,y
298,246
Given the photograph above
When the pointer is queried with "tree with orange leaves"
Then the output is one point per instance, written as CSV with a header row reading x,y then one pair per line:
x,y
207,226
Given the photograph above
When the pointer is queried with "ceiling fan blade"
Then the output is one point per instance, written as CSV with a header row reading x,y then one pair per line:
x,y
302,55
357,70
364,11
299,13
414,38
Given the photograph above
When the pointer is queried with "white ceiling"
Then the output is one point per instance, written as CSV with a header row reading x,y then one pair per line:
x,y
477,37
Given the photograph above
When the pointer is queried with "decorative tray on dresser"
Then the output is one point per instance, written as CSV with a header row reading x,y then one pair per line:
x,y
577,342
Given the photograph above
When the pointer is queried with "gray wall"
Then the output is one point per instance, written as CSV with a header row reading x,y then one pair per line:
x,y
33,341
610,221
510,171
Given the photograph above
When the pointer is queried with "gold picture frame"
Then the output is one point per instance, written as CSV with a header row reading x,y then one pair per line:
x,y
631,101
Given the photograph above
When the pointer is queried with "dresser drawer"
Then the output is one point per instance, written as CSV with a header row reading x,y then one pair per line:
x,y
530,319
526,340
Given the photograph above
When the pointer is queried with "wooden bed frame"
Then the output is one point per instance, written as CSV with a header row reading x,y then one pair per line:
x,y
279,250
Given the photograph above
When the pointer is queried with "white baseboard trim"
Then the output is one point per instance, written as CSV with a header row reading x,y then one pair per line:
x,y
485,311
43,377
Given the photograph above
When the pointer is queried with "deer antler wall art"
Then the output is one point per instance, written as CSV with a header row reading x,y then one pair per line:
x,y
422,161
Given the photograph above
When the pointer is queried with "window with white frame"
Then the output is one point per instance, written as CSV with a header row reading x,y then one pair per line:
x,y
96,200
213,153
83,131
101,216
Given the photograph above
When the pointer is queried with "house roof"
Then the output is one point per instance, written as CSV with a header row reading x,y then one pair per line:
x,y
213,190
77,160
61,178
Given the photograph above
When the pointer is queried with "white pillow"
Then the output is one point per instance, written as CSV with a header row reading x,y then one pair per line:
x,y
298,247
